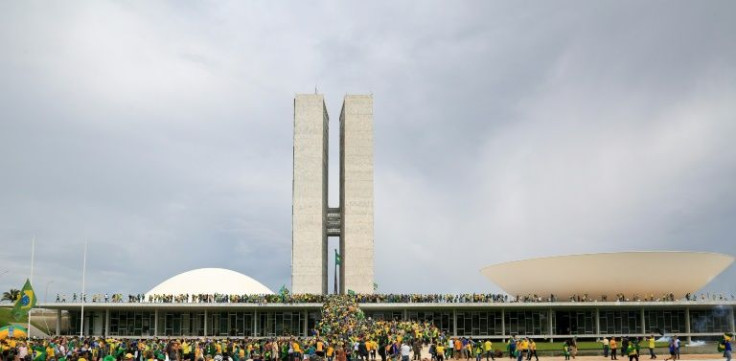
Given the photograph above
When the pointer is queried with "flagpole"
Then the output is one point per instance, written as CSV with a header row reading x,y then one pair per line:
x,y
30,280
33,254
81,297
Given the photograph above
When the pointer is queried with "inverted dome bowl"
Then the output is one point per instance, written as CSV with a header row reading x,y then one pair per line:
x,y
630,273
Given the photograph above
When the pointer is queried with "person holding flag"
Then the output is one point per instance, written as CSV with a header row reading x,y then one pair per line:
x,y
283,293
26,301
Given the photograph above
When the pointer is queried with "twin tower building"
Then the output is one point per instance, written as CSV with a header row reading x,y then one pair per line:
x,y
313,220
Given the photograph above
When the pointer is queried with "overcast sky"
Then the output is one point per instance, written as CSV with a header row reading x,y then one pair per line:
x,y
161,133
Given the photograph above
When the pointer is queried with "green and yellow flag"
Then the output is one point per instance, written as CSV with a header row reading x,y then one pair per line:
x,y
338,258
26,301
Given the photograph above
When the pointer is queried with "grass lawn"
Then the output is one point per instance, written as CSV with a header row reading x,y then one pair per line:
x,y
6,318
557,346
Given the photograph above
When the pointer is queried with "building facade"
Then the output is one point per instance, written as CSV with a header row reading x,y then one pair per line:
x,y
557,320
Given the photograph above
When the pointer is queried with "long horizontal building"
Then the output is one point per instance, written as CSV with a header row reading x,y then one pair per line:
x,y
550,320
202,310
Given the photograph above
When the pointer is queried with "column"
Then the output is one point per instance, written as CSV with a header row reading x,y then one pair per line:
x,y
406,316
687,324
255,323
503,324
550,314
454,322
107,322
58,321
155,322
733,322
205,323
206,317
305,333
643,323
598,322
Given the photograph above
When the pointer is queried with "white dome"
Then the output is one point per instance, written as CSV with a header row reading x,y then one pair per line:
x,y
210,281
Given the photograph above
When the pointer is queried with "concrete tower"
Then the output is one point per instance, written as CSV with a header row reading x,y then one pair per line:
x,y
312,220
356,193
309,203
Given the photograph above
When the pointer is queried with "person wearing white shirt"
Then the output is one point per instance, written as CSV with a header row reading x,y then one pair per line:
x,y
405,351
22,351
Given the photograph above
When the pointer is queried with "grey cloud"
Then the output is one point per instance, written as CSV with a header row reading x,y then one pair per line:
x,y
161,133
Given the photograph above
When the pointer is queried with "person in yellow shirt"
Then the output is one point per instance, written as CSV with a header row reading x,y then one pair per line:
x,y
297,350
186,350
319,348
198,351
488,348
523,348
532,350
330,352
241,352
650,340
440,351
50,351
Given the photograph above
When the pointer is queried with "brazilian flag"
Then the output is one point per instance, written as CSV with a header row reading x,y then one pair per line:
x,y
40,350
338,258
26,301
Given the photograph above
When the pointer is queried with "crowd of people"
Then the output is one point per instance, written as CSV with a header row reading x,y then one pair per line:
x,y
343,333
273,349
398,347
391,342
287,298
378,298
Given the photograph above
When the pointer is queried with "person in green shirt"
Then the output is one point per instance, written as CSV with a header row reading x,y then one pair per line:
x,y
631,351
478,350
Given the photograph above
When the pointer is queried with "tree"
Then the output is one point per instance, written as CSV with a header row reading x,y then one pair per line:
x,y
11,295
